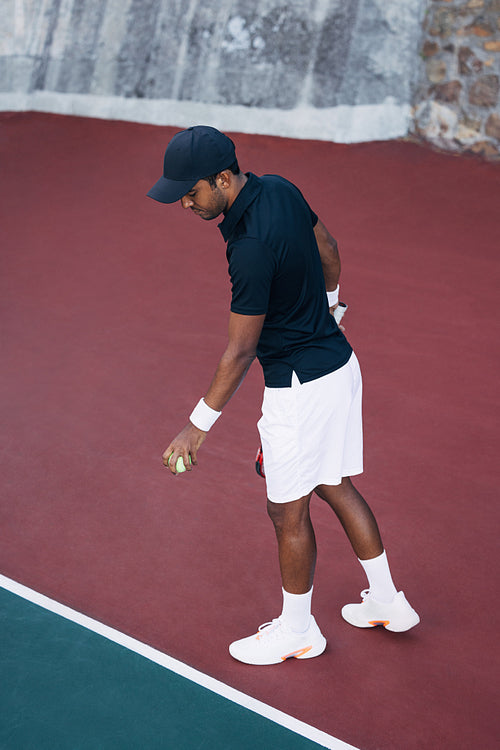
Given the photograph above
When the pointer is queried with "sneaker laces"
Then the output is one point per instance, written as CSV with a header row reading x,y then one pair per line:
x,y
367,594
271,630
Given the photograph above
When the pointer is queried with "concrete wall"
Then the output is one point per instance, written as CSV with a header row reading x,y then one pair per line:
x,y
341,70
327,69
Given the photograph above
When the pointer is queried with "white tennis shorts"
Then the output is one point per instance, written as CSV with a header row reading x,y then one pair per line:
x,y
312,433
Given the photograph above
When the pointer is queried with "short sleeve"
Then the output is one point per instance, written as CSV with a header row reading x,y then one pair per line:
x,y
314,217
251,269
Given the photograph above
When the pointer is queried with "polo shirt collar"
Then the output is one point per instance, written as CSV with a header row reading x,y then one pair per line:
x,y
245,197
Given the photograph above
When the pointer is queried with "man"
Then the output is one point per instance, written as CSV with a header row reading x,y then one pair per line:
x,y
284,268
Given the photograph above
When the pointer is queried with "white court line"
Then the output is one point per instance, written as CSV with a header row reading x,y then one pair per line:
x,y
279,717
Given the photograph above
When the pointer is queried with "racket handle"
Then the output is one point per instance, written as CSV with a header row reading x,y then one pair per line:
x,y
339,312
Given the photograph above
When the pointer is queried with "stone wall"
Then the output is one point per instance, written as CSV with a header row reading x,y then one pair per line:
x,y
457,101
335,70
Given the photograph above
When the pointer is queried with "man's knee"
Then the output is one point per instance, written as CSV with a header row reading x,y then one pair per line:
x,y
289,517
335,492
276,512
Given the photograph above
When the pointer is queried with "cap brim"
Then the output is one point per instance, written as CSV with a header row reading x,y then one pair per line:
x,y
170,191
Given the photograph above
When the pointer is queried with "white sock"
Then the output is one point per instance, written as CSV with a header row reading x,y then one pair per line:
x,y
296,612
379,578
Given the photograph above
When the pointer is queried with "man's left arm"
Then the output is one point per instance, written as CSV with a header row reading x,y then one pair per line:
x,y
329,254
243,336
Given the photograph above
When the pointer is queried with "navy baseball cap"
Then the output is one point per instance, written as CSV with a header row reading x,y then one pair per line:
x,y
192,154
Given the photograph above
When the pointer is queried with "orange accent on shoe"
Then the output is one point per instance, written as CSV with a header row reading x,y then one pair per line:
x,y
296,654
379,622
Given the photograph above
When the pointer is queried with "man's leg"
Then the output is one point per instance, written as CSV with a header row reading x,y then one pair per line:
x,y
295,633
382,604
355,516
296,543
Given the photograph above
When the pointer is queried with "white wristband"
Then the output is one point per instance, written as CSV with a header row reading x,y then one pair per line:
x,y
333,297
203,416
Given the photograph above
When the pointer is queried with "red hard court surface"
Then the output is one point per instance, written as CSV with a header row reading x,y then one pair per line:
x,y
114,314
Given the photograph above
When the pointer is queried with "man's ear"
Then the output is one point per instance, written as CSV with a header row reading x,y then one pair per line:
x,y
224,179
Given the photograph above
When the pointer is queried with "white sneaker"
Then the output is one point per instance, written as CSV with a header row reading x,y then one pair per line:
x,y
276,642
397,616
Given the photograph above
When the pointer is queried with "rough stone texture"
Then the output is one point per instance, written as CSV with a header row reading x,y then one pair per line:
x,y
457,101
484,91
492,127
448,92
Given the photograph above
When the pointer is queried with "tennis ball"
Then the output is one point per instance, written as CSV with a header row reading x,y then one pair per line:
x,y
179,465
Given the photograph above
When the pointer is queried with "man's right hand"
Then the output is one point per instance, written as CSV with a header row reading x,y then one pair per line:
x,y
186,444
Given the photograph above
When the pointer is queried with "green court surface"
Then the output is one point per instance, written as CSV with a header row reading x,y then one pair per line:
x,y
66,687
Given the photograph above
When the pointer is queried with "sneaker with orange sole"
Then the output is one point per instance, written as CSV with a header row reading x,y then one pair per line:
x,y
275,642
397,615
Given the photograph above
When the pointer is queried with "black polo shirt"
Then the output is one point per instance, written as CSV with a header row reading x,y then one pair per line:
x,y
275,268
